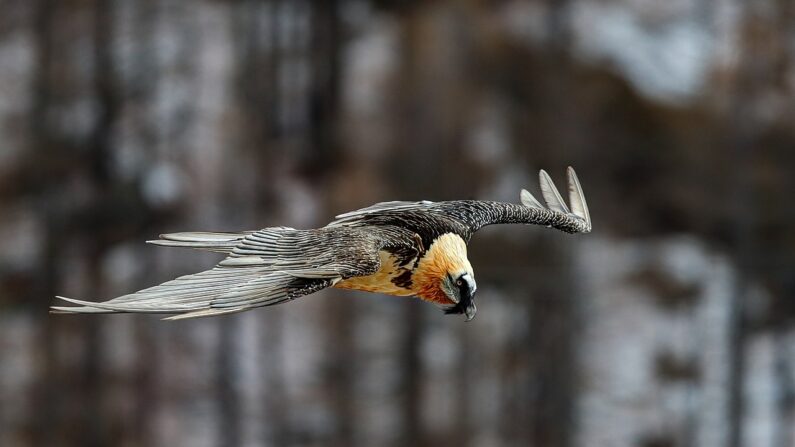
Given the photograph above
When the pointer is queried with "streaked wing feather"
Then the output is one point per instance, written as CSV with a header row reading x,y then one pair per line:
x,y
217,242
528,199
267,267
577,198
550,193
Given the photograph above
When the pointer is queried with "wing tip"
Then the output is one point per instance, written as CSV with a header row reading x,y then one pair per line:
x,y
83,307
550,193
577,198
577,208
529,199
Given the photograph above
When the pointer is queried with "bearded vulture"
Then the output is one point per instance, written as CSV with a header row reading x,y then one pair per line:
x,y
396,248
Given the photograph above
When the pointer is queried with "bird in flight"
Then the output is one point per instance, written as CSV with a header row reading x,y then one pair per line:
x,y
396,248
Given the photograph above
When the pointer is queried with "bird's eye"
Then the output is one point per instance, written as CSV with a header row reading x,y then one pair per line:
x,y
459,282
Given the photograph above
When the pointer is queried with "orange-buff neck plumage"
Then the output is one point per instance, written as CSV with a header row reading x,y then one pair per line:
x,y
446,256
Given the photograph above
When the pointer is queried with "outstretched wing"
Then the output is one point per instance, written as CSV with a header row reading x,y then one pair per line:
x,y
263,268
464,217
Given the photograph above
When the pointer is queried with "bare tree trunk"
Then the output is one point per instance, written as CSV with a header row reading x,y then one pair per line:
x,y
226,391
324,146
753,71
550,345
785,391
324,91
105,90
411,385
47,397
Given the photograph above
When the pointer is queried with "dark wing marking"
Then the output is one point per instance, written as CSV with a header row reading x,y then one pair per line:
x,y
427,220
265,267
464,217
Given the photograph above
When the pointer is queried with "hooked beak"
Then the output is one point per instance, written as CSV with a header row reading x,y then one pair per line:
x,y
466,303
471,310
468,300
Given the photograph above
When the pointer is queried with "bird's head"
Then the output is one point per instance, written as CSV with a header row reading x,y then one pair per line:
x,y
444,276
460,288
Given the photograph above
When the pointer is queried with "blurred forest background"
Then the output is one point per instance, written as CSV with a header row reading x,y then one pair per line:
x,y
670,325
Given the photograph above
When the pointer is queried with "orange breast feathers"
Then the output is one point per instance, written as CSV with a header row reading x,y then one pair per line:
x,y
380,281
447,255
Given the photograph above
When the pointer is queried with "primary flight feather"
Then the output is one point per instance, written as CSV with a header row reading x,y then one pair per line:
x,y
396,248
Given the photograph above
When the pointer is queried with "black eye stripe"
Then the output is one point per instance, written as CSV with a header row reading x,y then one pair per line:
x,y
461,282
